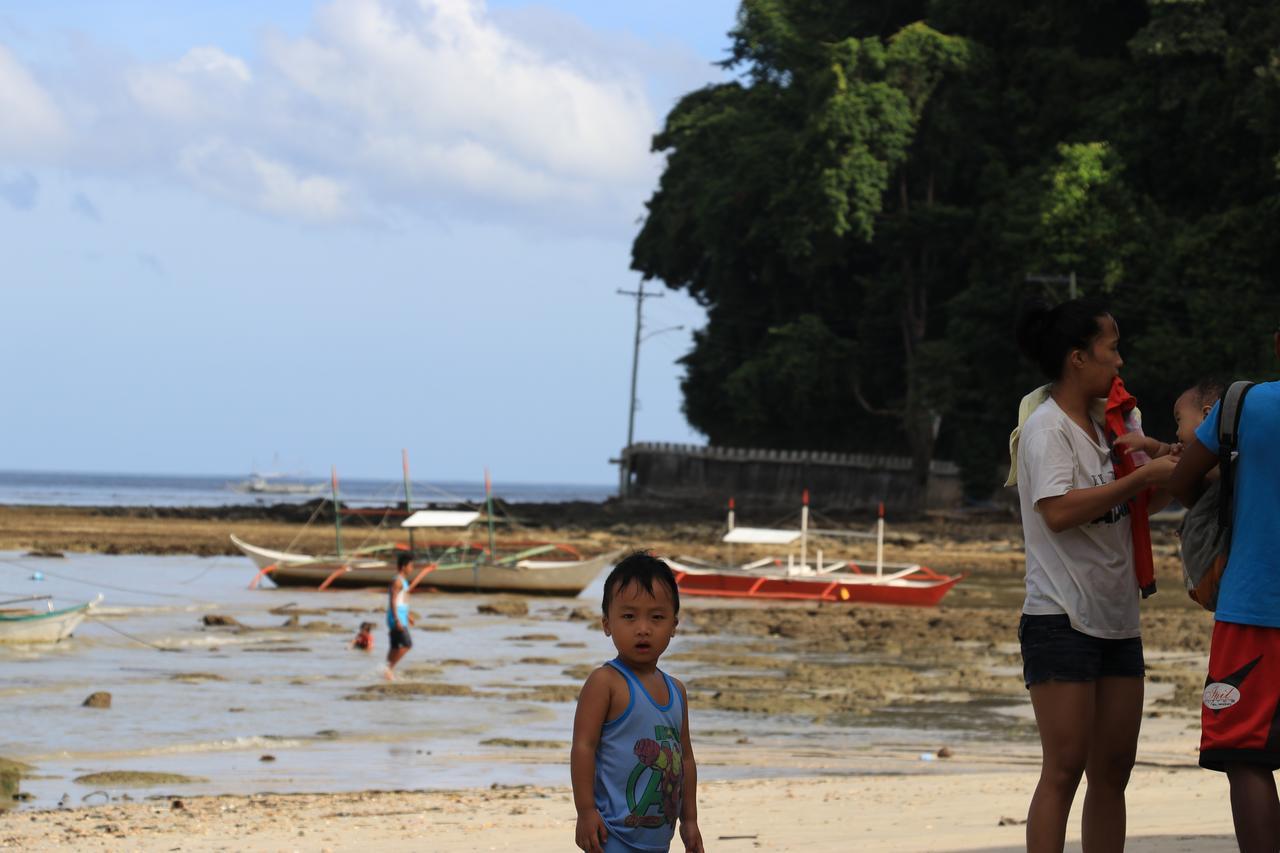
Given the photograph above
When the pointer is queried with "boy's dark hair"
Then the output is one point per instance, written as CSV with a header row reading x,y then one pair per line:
x,y
403,559
643,568
366,626
1208,391
1046,333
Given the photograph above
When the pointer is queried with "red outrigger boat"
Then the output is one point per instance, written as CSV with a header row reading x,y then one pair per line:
x,y
838,581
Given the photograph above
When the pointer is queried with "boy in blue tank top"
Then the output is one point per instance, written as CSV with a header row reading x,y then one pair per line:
x,y
632,763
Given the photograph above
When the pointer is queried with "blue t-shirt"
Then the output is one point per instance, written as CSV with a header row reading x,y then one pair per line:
x,y
1250,591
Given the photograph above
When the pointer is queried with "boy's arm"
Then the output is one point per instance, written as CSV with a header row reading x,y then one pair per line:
x,y
593,706
690,834
1189,478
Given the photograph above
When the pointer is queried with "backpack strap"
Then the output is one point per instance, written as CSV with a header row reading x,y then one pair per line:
x,y
1228,440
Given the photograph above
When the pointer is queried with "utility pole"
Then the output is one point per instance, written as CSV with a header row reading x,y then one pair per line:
x,y
640,297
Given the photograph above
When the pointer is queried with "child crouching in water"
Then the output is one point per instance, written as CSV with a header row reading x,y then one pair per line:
x,y
631,730
364,638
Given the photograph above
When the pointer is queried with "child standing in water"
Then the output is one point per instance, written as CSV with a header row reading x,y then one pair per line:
x,y
632,761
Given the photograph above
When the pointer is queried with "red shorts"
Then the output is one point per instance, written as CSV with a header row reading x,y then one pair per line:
x,y
1240,709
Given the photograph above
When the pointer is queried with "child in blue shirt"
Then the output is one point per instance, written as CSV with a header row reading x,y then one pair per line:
x,y
632,763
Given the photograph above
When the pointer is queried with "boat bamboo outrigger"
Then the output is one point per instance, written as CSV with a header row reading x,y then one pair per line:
x,y
844,580
48,626
455,564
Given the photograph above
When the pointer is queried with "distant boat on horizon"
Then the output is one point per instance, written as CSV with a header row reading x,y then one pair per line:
x,y
276,484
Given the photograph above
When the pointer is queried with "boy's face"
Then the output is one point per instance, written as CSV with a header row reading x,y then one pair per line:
x,y
641,624
1189,414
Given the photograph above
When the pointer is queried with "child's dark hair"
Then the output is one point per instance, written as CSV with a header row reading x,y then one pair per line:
x,y
1046,333
643,568
365,627
1207,391
403,559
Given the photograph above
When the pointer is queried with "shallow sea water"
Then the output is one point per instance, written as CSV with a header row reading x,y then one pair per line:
x,y
281,692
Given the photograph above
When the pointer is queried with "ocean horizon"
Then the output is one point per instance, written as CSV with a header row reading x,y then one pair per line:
x,y
84,488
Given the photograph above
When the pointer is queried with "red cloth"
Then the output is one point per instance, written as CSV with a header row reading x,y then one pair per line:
x,y
1119,404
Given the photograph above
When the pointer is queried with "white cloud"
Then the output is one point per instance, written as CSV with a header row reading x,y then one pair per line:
x,y
32,123
429,105
251,179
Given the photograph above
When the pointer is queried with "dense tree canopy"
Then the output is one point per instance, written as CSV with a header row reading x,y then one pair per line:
x,y
864,206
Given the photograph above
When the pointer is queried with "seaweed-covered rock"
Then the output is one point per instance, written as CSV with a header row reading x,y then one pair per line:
x,y
505,607
135,779
100,699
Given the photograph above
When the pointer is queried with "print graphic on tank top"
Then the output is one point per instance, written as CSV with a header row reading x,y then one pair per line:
x,y
656,779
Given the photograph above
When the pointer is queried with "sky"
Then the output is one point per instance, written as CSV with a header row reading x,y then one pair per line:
x,y
303,234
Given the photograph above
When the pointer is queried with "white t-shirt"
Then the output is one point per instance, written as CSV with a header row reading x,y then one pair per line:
x,y
1085,572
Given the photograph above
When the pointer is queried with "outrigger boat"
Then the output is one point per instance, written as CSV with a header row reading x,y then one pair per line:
x,y
454,565
840,580
49,626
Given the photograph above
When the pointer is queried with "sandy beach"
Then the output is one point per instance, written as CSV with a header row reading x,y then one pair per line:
x,y
818,727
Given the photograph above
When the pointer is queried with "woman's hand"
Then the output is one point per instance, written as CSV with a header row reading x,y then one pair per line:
x,y
1158,471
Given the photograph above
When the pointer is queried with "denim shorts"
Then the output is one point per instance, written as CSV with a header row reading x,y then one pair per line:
x,y
1054,651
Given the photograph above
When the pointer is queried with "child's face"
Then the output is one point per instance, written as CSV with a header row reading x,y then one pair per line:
x,y
1189,414
641,624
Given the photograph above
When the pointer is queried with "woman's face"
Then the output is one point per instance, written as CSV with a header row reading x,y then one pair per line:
x,y
1101,362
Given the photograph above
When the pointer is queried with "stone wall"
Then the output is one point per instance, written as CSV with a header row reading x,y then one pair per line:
x,y
776,478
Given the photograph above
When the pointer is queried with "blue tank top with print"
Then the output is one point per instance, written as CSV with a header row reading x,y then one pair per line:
x,y
639,785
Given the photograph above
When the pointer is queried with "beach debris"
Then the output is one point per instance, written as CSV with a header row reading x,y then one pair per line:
x,y
737,837
65,801
37,576
266,758
532,638
505,607
100,699
1012,821
45,553
106,798
177,805
945,752
220,620
235,710
135,779
292,609
927,756
583,614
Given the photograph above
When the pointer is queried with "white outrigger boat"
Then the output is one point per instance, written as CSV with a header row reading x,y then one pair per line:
x,y
458,564
48,626
842,580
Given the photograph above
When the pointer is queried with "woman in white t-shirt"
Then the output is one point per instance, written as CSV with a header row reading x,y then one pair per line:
x,y
1081,649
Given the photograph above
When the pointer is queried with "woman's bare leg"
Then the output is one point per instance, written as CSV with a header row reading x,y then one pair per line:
x,y
1116,721
1065,717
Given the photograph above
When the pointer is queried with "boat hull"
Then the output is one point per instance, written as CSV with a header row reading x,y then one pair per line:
x,y
529,577
42,627
924,588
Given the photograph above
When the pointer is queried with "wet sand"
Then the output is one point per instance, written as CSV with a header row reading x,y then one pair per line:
x,y
1169,811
